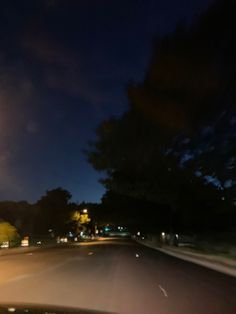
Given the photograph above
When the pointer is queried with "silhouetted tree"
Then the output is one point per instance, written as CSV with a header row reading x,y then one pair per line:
x,y
159,150
54,210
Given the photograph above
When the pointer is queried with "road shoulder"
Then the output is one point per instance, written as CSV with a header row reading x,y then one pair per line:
x,y
215,262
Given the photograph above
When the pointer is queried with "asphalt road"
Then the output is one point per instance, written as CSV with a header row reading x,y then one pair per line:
x,y
118,276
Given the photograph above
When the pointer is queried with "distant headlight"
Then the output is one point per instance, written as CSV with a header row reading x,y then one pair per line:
x,y
5,245
63,240
25,242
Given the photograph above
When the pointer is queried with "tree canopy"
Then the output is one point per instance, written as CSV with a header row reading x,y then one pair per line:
x,y
8,232
175,143
54,209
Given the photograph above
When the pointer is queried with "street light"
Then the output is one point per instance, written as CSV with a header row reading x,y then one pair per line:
x,y
85,211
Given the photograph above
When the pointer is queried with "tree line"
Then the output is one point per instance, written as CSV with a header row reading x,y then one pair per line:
x,y
52,214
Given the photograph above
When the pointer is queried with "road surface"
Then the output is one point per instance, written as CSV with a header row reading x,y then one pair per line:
x,y
115,275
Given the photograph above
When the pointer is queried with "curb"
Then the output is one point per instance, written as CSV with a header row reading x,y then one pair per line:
x,y
217,266
22,250
19,250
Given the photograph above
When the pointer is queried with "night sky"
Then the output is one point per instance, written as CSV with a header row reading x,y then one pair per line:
x,y
64,66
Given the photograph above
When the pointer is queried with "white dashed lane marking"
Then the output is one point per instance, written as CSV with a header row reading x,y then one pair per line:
x,y
163,291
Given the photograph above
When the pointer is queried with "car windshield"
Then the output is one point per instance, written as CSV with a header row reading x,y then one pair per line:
x,y
118,156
